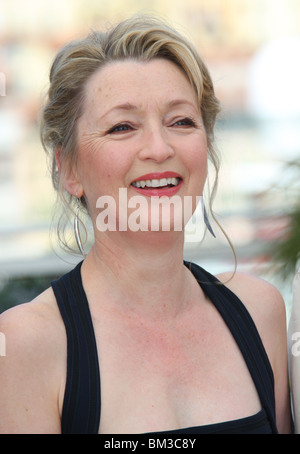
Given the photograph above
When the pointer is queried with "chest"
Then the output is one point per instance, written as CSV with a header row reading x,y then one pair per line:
x,y
158,376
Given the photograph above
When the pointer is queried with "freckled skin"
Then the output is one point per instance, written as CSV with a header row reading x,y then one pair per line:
x,y
108,162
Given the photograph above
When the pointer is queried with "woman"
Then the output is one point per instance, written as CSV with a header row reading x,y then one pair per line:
x,y
134,109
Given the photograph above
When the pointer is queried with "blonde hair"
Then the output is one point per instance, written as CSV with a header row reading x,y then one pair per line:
x,y
141,38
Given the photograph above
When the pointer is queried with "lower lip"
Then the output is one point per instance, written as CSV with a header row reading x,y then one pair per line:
x,y
156,192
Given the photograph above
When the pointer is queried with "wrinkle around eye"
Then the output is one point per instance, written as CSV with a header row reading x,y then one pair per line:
x,y
91,140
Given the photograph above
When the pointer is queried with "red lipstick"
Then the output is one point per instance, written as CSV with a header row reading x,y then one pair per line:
x,y
167,190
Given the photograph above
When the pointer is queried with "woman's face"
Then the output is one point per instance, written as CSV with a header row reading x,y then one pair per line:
x,y
141,130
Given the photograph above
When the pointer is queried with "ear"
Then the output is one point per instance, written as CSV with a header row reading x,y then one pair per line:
x,y
68,175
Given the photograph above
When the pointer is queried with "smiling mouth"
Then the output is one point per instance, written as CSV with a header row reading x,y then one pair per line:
x,y
157,183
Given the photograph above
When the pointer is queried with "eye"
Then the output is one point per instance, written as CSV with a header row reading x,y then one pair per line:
x,y
185,122
119,128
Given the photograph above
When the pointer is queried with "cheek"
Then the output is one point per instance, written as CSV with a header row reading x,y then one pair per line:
x,y
196,162
197,158
102,171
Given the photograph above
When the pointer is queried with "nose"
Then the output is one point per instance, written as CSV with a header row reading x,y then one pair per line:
x,y
156,145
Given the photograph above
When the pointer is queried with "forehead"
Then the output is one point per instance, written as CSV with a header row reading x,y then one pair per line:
x,y
131,81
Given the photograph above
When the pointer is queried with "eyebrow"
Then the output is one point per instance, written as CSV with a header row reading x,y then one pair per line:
x,y
179,102
126,106
131,107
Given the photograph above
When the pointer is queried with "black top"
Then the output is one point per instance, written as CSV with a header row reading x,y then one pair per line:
x,y
82,400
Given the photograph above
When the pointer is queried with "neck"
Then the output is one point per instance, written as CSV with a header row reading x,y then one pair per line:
x,y
146,276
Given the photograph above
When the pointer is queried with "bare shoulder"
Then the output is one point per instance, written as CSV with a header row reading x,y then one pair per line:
x,y
33,366
32,322
259,296
266,306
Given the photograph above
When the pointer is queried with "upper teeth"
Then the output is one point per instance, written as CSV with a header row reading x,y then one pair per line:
x,y
156,183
